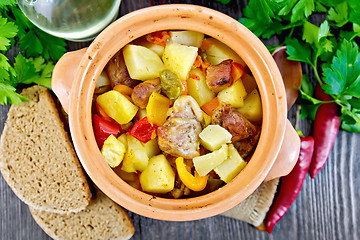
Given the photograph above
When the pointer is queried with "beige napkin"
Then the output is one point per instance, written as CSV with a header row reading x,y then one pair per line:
x,y
254,208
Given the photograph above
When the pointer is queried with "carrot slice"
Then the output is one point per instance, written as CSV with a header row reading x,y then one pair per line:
x,y
210,106
184,87
158,38
237,71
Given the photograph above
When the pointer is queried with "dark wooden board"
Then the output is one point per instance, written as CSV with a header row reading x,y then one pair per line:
x,y
327,207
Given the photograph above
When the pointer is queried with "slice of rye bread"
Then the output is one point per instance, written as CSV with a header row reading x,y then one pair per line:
x,y
37,158
102,219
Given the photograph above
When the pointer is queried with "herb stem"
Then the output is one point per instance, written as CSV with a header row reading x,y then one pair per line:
x,y
291,32
316,71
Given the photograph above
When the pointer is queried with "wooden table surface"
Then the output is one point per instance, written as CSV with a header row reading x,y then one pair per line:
x,y
327,207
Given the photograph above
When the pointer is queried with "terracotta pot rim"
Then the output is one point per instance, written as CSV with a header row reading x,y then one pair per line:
x,y
187,17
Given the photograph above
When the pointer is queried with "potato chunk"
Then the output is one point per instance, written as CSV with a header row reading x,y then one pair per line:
x,y
142,63
117,106
179,58
113,151
252,108
231,167
197,87
233,95
156,48
218,52
205,163
152,148
213,136
136,158
158,177
189,38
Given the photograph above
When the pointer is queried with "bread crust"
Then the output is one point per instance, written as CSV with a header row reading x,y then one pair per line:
x,y
37,158
102,219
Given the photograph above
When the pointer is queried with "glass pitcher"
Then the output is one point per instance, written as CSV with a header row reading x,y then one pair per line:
x,y
75,20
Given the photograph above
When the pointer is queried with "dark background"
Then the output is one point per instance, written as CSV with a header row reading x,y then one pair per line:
x,y
327,207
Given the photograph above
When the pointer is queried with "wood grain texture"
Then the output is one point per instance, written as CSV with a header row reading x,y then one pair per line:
x,y
327,207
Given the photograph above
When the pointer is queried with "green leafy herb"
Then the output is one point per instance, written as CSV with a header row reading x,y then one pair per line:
x,y
339,14
25,71
309,111
36,42
335,60
261,18
301,9
39,48
29,71
8,95
8,30
343,76
6,3
306,85
298,51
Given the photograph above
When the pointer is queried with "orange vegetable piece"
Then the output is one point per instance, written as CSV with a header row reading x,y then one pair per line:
x,y
123,89
205,65
206,44
184,87
158,38
237,71
210,106
194,76
195,183
198,62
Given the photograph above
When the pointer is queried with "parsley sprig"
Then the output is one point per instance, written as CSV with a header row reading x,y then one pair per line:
x,y
34,64
330,49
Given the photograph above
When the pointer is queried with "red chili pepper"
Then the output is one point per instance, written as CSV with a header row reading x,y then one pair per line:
x,y
103,129
326,127
291,184
143,130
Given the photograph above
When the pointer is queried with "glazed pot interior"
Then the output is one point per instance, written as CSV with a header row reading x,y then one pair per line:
x,y
178,17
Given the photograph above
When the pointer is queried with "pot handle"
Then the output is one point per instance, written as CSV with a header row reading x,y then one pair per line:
x,y
288,155
63,76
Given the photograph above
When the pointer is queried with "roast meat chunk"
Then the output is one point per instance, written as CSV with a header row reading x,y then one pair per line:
x,y
233,121
219,77
142,92
118,73
186,107
180,137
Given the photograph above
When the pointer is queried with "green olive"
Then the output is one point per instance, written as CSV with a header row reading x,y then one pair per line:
x,y
170,84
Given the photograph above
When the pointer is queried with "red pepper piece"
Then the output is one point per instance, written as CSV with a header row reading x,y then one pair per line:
x,y
143,130
103,129
291,184
326,127
102,113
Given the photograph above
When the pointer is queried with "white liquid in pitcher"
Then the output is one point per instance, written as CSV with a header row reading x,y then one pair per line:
x,y
76,20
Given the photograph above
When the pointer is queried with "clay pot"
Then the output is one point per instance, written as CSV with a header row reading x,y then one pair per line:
x,y
74,80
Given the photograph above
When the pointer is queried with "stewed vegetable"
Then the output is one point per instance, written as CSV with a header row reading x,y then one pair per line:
x,y
183,114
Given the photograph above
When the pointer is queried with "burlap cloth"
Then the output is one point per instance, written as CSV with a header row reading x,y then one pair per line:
x,y
254,208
